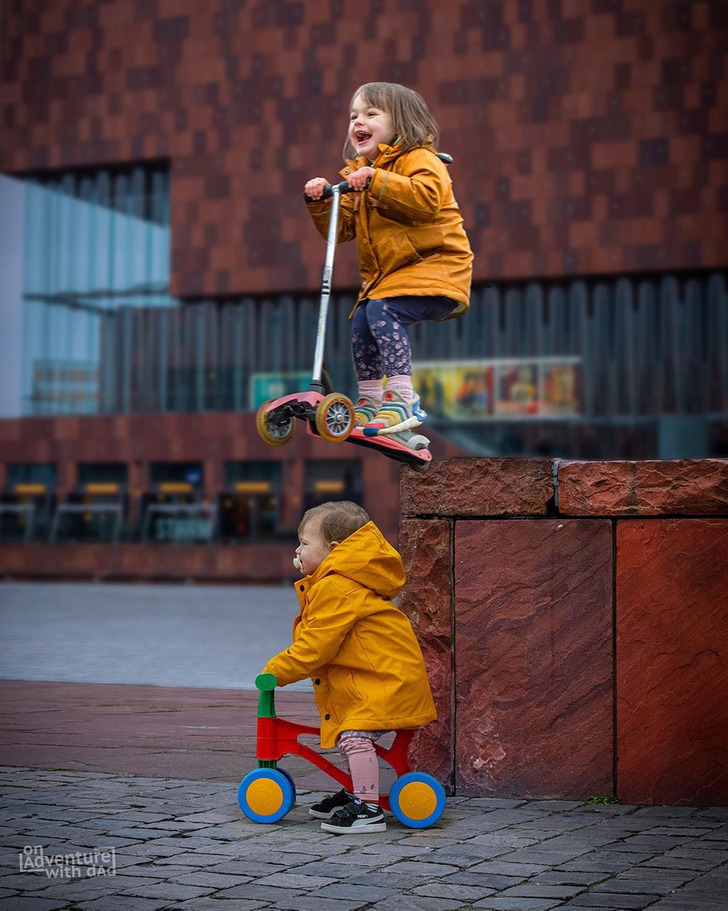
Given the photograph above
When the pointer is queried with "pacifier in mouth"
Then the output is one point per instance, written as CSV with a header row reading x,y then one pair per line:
x,y
297,563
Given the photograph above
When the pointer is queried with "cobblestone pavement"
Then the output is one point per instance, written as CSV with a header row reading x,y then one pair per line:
x,y
185,844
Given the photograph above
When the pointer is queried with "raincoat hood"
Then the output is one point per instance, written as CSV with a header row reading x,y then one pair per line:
x,y
367,558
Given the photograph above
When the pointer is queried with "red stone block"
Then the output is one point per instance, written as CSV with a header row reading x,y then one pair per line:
x,y
533,658
672,661
689,487
426,551
478,487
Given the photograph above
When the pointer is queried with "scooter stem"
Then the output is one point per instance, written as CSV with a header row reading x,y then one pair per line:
x,y
318,359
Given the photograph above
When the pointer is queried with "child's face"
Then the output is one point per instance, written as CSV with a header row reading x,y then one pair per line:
x,y
368,127
312,549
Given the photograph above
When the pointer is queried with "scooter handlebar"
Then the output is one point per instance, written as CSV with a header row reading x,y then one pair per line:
x,y
329,191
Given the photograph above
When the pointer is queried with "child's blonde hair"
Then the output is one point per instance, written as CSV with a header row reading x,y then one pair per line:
x,y
414,125
338,519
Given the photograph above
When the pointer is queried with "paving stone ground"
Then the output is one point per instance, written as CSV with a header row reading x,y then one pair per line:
x,y
126,725
181,843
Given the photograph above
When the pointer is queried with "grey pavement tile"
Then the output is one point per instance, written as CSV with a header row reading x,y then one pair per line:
x,y
28,903
423,869
645,880
598,863
569,878
400,883
245,867
312,903
122,903
455,891
191,859
540,855
170,891
498,903
253,891
354,892
508,867
539,890
296,881
417,903
214,903
487,881
215,880
614,901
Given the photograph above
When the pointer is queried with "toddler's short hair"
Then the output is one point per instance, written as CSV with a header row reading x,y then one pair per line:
x,y
338,519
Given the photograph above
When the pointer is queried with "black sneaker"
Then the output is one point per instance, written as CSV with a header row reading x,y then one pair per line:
x,y
355,818
324,809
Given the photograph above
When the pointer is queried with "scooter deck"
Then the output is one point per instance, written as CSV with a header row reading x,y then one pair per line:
x,y
417,458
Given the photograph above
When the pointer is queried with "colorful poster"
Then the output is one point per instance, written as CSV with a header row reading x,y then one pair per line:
x,y
517,389
473,393
502,389
560,389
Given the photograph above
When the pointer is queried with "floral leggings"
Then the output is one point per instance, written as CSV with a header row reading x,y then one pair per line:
x,y
379,342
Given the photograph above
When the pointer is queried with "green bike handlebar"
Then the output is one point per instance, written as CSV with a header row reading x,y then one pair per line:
x,y
266,683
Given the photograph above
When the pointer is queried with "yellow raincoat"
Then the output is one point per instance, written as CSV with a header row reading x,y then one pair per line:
x,y
357,647
408,228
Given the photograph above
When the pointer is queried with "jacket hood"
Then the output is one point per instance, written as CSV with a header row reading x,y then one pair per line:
x,y
367,558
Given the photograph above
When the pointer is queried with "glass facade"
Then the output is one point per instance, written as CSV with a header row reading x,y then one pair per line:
x,y
532,368
96,245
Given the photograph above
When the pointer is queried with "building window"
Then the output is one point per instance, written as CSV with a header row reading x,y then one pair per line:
x,y
173,511
26,505
97,509
333,480
96,248
250,505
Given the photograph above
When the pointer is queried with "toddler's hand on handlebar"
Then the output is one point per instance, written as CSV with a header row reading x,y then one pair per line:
x,y
359,179
315,187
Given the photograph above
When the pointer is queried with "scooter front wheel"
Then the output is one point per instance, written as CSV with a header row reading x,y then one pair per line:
x,y
335,417
273,432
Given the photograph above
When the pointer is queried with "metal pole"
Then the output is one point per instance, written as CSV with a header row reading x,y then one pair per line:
x,y
318,359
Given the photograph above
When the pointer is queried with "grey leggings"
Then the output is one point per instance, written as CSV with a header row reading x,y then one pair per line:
x,y
379,341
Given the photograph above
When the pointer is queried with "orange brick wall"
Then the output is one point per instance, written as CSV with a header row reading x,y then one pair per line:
x,y
588,137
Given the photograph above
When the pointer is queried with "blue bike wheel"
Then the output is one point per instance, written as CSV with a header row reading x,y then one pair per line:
x,y
417,800
266,795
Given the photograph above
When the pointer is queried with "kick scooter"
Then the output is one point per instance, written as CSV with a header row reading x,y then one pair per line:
x,y
329,414
268,793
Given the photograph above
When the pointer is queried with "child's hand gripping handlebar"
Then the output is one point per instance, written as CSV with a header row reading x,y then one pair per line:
x,y
343,187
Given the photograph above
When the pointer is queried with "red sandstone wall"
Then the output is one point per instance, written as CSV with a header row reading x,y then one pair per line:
x,y
588,137
574,617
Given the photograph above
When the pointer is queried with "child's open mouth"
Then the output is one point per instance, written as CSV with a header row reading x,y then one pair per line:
x,y
362,137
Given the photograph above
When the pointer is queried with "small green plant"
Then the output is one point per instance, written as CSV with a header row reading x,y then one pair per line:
x,y
602,800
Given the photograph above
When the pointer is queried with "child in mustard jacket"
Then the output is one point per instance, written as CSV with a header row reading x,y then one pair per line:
x,y
359,650
414,256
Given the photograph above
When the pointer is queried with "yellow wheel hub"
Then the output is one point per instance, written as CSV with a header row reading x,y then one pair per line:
x,y
417,800
264,796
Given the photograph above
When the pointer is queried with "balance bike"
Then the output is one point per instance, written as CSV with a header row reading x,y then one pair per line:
x,y
329,414
268,793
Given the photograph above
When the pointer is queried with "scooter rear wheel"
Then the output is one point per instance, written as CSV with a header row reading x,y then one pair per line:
x,y
335,417
274,433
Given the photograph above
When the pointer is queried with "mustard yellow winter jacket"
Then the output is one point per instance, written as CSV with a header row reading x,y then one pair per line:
x,y
357,647
408,228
